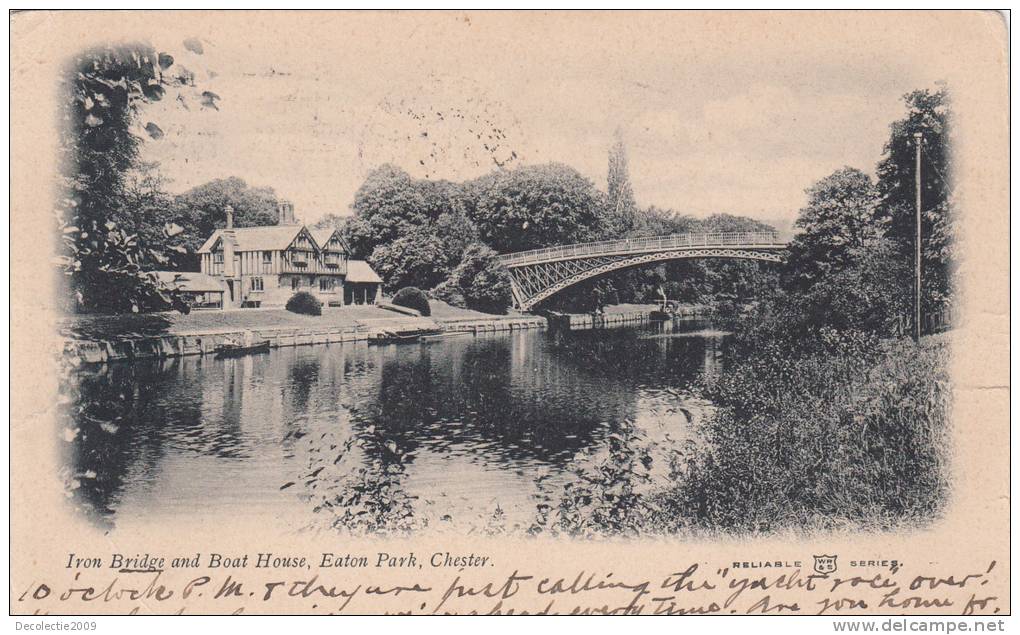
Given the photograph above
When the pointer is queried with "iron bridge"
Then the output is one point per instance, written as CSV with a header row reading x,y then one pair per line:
x,y
540,273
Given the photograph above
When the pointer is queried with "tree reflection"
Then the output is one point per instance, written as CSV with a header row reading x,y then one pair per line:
x,y
347,428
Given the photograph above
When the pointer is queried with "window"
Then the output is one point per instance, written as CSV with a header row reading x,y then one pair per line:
x,y
325,284
295,283
267,257
256,284
217,257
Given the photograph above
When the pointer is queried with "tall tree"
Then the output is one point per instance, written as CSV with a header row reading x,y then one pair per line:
x,y
837,222
388,205
535,206
204,207
412,231
105,91
929,113
620,205
152,214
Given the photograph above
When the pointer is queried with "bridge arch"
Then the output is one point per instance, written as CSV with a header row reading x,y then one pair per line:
x,y
539,274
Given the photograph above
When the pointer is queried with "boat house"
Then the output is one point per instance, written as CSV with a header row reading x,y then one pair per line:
x,y
199,290
265,266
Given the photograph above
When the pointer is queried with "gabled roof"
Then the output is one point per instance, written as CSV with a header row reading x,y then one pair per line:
x,y
361,271
323,235
267,238
190,281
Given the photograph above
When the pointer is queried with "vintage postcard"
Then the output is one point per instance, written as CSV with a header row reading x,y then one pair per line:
x,y
628,313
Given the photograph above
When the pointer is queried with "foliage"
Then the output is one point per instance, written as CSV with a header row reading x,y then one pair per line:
x,y
410,260
412,232
839,220
331,221
828,430
841,272
854,434
413,298
387,206
929,113
148,211
203,208
606,498
867,294
621,209
304,302
105,90
356,485
535,206
479,282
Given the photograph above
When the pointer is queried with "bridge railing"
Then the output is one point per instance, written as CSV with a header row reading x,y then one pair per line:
x,y
655,243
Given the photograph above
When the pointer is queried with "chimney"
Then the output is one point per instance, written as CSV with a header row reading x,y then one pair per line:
x,y
230,217
285,213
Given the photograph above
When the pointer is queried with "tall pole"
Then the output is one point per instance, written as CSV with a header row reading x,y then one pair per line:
x,y
917,240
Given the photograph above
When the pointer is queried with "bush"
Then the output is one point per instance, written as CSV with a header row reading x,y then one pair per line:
x,y
855,436
845,432
480,282
449,293
304,302
413,298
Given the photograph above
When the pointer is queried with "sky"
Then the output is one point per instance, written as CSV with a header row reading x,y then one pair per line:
x,y
719,113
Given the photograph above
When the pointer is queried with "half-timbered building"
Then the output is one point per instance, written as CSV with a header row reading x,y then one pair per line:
x,y
265,266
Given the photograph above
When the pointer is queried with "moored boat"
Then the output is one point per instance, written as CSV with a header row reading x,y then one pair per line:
x,y
240,350
387,336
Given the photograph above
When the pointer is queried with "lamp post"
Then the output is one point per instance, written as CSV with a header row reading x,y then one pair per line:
x,y
917,239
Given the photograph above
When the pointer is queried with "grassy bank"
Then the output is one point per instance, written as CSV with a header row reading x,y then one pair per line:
x,y
854,436
851,437
134,325
110,327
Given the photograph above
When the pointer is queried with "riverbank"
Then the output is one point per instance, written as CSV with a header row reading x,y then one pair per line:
x,y
101,339
855,436
113,327
105,338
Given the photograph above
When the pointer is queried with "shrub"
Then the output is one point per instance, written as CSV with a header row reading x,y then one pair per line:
x,y
449,293
413,298
853,436
845,432
304,302
479,282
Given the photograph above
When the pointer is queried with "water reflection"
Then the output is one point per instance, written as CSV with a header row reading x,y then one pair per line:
x,y
451,433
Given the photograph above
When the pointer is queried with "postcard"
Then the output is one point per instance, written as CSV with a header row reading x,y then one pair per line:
x,y
512,312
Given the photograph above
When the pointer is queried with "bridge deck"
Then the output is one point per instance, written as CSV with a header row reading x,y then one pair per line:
x,y
746,240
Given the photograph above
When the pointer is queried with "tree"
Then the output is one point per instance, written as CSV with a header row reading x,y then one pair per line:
x,y
203,207
929,113
866,294
412,231
479,282
331,221
842,272
535,206
415,259
388,205
151,213
105,90
620,205
837,223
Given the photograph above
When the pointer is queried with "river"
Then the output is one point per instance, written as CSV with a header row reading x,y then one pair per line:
x,y
466,433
